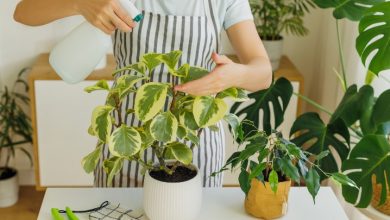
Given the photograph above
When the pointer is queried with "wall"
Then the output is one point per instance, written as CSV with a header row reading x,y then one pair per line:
x,y
20,45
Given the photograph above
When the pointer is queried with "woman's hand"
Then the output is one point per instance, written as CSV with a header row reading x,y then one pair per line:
x,y
107,15
225,75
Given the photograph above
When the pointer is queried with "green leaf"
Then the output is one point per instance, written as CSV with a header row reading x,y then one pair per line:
x,y
236,94
374,37
243,179
182,71
125,142
181,132
370,157
90,161
150,99
344,180
151,60
195,73
146,137
273,181
312,180
289,169
125,84
380,113
234,123
322,154
353,105
164,127
279,90
257,171
101,122
208,110
91,131
171,59
213,128
181,152
112,167
351,9
310,131
234,160
187,119
100,85
193,137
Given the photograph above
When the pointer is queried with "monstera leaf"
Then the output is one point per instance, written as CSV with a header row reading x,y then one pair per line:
x,y
374,37
380,114
354,104
351,9
370,157
318,137
278,95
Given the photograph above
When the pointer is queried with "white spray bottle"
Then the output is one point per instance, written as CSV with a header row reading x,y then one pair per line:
x,y
76,56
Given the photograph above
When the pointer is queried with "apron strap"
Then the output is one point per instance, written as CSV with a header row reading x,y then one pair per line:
x,y
210,7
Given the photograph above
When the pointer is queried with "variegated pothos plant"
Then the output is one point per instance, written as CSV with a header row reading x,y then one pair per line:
x,y
163,129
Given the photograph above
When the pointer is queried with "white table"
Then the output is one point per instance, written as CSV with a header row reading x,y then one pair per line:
x,y
218,204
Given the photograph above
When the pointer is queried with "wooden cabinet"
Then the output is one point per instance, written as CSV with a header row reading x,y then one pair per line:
x,y
61,116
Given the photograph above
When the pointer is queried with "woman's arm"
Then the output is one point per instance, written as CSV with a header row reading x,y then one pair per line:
x,y
106,15
253,74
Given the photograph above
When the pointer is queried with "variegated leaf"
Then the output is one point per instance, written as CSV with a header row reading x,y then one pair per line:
x,y
171,59
164,127
180,152
187,119
124,142
100,85
112,167
101,122
125,84
208,110
150,99
90,161
151,60
236,94
195,73
137,67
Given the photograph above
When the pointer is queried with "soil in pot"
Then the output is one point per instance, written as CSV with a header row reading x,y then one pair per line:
x,y
6,173
262,202
181,174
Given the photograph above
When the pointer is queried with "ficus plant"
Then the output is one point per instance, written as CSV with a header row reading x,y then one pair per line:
x,y
15,124
163,129
272,17
357,133
271,158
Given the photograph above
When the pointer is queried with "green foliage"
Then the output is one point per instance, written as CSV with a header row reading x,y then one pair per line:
x,y
162,126
15,124
282,90
271,157
374,37
274,16
369,158
318,137
351,9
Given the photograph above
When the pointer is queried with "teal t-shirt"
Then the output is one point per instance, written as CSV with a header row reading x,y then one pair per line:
x,y
229,12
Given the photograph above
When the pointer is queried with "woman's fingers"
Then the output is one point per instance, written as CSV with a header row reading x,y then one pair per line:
x,y
220,59
107,27
121,25
123,15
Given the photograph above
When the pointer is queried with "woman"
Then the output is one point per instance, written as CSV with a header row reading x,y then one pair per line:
x,y
193,26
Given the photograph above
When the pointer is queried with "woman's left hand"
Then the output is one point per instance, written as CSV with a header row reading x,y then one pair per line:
x,y
224,76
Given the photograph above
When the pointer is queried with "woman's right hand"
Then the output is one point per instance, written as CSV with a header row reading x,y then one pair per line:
x,y
107,15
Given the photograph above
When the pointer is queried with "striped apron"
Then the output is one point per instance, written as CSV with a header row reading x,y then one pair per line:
x,y
197,37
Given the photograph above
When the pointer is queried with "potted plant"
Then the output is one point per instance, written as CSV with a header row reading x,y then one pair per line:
x,y
272,17
173,177
15,130
359,128
268,164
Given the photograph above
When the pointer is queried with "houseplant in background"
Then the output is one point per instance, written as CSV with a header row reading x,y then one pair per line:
x,y
174,178
268,164
357,133
272,17
15,131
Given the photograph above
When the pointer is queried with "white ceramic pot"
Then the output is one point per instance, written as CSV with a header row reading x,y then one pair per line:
x,y
9,191
172,201
274,49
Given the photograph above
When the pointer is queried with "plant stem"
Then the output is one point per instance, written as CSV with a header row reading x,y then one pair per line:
x,y
315,104
341,55
198,135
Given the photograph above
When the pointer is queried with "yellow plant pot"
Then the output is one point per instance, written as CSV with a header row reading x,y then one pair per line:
x,y
377,188
262,202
